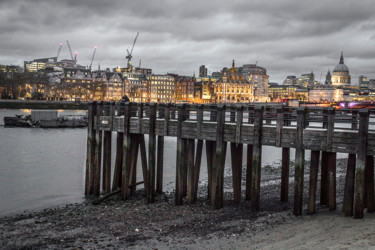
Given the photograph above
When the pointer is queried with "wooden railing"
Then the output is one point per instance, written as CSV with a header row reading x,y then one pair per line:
x,y
323,130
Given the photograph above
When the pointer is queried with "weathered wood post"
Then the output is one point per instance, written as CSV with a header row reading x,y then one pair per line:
x,y
98,151
117,175
151,153
370,183
347,206
359,187
180,159
90,153
314,168
331,161
198,156
210,150
219,161
257,159
299,162
237,154
107,147
249,158
160,156
142,146
126,157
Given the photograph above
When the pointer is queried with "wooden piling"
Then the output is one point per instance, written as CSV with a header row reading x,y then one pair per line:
x,y
324,179
133,163
299,163
126,157
370,183
160,159
249,170
332,181
257,159
142,148
285,160
117,176
236,153
98,151
90,153
360,164
107,148
180,161
219,161
190,170
197,167
347,206
210,156
151,153
314,167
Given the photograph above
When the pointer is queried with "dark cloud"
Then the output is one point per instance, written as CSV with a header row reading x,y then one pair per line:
x,y
287,37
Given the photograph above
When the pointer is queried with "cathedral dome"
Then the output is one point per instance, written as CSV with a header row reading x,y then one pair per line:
x,y
341,67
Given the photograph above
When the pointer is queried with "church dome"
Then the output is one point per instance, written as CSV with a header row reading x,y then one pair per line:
x,y
341,67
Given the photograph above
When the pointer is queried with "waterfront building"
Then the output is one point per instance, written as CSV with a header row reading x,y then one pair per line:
x,y
202,71
362,82
325,95
290,80
161,88
306,80
114,87
258,78
184,88
340,75
233,87
135,86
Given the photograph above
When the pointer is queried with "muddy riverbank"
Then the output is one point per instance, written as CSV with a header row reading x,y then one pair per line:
x,y
136,224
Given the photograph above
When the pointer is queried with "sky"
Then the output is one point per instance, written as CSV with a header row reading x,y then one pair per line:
x,y
288,37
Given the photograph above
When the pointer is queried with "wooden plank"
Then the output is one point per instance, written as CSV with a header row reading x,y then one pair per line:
x,y
359,187
332,181
133,164
151,154
236,153
314,167
324,179
219,161
167,114
190,170
279,125
160,159
140,117
98,152
330,128
285,161
142,147
239,123
257,159
299,163
370,183
347,206
90,152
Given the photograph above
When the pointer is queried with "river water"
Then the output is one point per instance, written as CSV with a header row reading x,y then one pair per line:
x,y
41,168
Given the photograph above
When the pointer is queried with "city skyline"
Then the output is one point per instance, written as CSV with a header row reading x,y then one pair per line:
x,y
287,38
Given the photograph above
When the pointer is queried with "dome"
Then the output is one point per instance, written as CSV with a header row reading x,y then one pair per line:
x,y
341,67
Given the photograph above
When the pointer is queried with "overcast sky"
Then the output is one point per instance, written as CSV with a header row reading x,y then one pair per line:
x,y
287,37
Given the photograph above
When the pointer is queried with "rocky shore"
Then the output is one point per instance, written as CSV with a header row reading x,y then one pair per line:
x,y
134,224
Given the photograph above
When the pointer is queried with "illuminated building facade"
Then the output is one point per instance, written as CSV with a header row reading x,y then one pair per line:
x,y
233,87
340,75
184,88
325,95
161,88
202,71
290,80
257,76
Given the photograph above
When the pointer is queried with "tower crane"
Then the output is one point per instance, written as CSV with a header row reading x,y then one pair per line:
x,y
58,52
130,54
70,50
93,55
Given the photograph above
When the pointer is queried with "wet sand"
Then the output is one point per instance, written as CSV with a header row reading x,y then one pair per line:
x,y
134,224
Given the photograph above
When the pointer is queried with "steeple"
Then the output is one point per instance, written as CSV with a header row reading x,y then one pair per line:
x,y
233,64
342,58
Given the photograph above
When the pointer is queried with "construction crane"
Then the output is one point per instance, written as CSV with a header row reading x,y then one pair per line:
x,y
140,62
93,55
70,50
58,52
130,54
75,57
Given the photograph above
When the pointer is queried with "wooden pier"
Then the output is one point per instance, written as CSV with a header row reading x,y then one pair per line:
x,y
324,131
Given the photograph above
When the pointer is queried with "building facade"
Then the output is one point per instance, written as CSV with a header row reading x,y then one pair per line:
x,y
340,75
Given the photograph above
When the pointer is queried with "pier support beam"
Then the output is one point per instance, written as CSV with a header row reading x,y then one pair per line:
x,y
299,163
236,156
151,154
314,167
257,159
359,188
347,207
98,152
90,153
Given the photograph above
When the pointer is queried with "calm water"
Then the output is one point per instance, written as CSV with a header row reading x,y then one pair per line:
x,y
41,168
